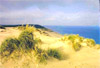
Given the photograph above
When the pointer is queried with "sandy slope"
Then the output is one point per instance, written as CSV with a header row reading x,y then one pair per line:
x,y
85,58
8,32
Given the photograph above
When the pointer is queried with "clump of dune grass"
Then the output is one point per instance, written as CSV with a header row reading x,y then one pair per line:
x,y
90,42
30,28
8,46
27,27
26,39
75,38
54,53
41,55
21,27
76,41
76,46
24,42
72,38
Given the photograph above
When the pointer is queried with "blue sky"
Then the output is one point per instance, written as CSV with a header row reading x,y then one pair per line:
x,y
50,12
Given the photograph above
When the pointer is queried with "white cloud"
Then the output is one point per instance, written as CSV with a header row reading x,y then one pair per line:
x,y
81,18
45,16
35,13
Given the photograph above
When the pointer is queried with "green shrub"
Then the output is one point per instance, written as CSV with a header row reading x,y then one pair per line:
x,y
2,27
30,28
54,53
72,38
21,27
26,39
8,46
41,55
75,39
76,46
90,42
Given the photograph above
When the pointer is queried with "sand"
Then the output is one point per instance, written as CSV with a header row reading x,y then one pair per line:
x,y
87,57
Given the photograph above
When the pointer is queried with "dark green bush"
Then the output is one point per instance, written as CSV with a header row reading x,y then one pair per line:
x,y
2,27
54,53
8,46
26,39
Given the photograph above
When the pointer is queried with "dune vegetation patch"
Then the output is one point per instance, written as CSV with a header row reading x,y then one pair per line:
x,y
26,50
78,42
41,55
27,45
8,46
26,39
55,53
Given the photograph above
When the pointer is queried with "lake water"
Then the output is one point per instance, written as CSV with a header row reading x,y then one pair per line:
x,y
92,32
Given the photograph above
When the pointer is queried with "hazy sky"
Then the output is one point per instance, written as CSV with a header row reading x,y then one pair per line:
x,y
50,12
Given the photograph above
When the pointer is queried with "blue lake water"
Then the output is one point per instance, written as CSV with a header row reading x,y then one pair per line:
x,y
92,32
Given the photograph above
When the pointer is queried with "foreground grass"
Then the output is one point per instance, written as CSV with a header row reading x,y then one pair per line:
x,y
54,53
26,45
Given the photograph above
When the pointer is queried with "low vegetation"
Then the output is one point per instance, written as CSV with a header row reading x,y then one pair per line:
x,y
26,39
77,41
21,27
25,44
54,53
8,46
90,42
2,27
41,55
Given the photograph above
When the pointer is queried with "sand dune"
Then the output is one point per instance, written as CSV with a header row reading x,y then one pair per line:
x,y
87,57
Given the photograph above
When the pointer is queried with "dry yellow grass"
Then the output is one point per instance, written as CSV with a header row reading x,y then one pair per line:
x,y
85,58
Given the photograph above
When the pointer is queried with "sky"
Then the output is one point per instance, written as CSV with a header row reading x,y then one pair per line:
x,y
50,12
